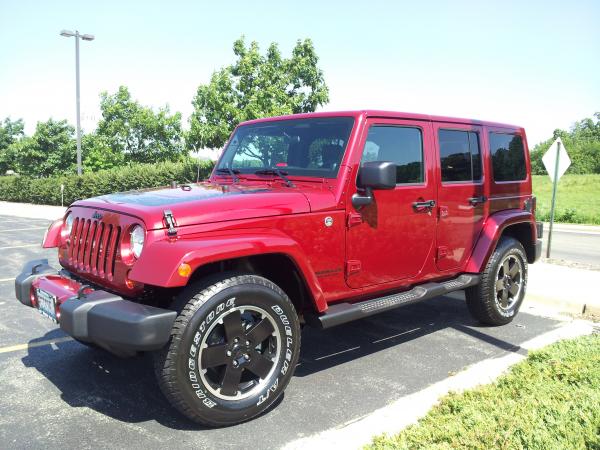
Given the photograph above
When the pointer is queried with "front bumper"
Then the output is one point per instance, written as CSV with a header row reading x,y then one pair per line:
x,y
95,316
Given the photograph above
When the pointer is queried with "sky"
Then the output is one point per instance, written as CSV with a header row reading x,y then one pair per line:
x,y
534,63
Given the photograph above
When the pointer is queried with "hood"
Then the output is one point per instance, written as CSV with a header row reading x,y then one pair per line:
x,y
204,203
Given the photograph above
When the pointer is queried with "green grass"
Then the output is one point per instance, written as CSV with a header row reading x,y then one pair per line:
x,y
549,401
577,199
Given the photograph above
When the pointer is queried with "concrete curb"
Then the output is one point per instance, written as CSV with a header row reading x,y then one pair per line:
x,y
567,289
31,211
408,410
573,308
572,227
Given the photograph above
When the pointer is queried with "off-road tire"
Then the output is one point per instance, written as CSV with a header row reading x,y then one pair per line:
x,y
179,366
483,300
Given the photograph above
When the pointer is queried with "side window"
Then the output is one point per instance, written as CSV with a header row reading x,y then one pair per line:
x,y
508,157
401,145
460,156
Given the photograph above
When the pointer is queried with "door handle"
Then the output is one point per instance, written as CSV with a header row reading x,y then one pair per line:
x,y
420,206
474,201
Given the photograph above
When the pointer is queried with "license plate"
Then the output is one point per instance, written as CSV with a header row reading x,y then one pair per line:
x,y
46,304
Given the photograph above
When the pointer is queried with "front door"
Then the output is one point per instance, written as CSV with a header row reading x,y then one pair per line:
x,y
460,194
392,238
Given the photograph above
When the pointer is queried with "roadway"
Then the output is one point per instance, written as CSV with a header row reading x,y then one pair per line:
x,y
574,243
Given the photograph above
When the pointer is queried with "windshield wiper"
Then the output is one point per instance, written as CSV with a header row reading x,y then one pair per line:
x,y
279,173
230,171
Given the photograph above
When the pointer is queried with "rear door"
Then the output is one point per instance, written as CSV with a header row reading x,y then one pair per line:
x,y
461,195
391,239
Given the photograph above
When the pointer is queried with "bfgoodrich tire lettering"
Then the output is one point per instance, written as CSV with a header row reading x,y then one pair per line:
x,y
233,350
498,297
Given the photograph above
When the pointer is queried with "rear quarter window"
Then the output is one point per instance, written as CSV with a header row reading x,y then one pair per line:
x,y
508,157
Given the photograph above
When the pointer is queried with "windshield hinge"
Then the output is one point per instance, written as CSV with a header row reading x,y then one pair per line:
x,y
170,220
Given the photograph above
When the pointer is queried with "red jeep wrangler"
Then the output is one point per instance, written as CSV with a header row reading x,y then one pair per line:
x,y
316,218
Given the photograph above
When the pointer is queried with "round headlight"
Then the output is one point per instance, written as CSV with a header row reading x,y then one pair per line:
x,y
68,224
137,240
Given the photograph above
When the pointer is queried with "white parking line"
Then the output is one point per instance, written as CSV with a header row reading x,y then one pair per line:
x,y
3,280
336,353
395,335
21,246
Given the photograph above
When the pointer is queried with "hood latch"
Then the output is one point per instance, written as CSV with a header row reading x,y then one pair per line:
x,y
170,220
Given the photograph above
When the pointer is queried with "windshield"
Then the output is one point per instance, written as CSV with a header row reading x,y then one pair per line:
x,y
304,147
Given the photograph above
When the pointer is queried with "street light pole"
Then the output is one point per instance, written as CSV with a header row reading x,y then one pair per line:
x,y
85,37
78,107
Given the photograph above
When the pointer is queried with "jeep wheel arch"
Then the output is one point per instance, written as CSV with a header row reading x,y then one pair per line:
x,y
515,223
208,251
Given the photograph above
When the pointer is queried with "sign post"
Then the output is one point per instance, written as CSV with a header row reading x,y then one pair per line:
x,y
558,157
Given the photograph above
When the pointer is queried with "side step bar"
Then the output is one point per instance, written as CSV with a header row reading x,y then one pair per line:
x,y
340,313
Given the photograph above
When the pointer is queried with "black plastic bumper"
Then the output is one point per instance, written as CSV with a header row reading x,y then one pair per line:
x,y
121,326
116,324
31,271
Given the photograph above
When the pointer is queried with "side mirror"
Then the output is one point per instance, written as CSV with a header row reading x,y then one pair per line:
x,y
374,175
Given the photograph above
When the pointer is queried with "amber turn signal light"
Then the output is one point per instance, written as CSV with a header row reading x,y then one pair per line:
x,y
128,282
184,270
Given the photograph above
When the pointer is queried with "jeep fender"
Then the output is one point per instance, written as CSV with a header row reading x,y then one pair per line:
x,y
492,231
53,234
160,260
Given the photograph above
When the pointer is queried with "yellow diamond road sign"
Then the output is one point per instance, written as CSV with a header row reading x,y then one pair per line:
x,y
549,160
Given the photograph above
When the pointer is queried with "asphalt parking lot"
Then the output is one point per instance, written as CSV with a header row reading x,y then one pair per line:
x,y
57,393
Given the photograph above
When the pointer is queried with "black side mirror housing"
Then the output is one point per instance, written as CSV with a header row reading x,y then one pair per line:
x,y
374,175
377,175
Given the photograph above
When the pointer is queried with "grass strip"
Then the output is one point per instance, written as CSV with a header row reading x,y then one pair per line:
x,y
577,198
551,400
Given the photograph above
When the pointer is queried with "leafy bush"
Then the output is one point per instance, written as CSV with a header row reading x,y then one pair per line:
x,y
46,191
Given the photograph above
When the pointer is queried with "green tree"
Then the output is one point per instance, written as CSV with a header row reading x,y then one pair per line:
x,y
10,132
50,151
98,153
255,86
582,142
135,132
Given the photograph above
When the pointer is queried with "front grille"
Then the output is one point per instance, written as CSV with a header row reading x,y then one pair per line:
x,y
93,247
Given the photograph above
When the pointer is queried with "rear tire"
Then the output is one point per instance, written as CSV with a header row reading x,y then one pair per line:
x,y
233,350
498,297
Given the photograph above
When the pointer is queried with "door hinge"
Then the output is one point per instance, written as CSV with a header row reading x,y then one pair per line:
x,y
170,221
352,266
354,219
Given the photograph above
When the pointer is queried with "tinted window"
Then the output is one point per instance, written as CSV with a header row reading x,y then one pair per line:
x,y
508,157
460,155
305,147
401,145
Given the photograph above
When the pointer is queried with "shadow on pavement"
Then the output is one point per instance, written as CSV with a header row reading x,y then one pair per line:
x,y
126,390
322,349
